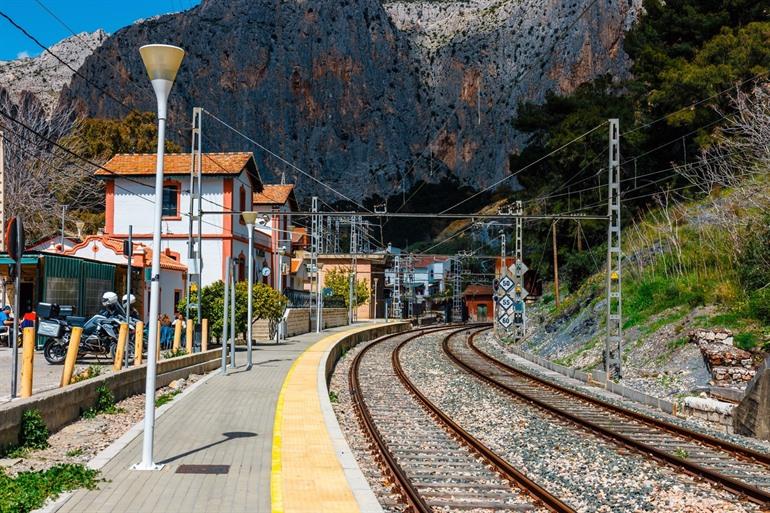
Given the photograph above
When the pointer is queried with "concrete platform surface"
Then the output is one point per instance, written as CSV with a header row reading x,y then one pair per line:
x,y
228,420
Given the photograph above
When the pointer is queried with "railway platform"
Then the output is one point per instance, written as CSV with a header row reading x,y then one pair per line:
x,y
268,434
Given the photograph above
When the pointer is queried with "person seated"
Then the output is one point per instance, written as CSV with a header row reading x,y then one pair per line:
x,y
6,320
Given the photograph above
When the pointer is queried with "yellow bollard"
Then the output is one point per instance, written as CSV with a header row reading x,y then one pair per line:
x,y
189,334
27,361
157,344
138,339
177,336
72,356
117,363
204,335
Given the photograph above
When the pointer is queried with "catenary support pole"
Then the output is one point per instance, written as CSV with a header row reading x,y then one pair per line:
x,y
232,314
250,300
226,304
555,267
614,341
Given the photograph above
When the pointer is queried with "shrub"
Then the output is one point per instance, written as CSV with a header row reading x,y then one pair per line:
x,y
745,341
753,271
105,403
34,432
759,304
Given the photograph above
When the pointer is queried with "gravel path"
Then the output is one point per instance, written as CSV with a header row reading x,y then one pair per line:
x,y
492,346
588,473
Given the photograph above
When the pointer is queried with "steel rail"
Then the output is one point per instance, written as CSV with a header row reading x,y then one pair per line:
x,y
752,492
501,466
409,491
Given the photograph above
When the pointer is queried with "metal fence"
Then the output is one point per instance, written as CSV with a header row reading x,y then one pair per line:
x,y
301,299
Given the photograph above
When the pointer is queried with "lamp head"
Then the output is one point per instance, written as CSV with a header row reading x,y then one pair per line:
x,y
249,217
161,61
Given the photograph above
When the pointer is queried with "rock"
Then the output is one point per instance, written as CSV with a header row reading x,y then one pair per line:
x,y
177,384
367,78
752,416
9,462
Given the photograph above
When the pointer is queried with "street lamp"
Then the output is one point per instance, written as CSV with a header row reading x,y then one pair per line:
x,y
250,218
162,63
281,252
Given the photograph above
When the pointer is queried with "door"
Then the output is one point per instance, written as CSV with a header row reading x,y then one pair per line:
x,y
481,313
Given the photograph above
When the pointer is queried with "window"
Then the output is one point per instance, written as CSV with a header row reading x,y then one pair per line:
x,y
177,297
171,200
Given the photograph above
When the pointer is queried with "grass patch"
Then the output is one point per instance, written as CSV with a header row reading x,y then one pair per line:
x,y
29,490
91,372
72,453
333,397
681,453
175,353
105,403
746,341
166,398
673,345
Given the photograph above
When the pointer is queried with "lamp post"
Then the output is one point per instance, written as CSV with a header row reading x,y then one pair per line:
x,y
250,218
281,252
162,63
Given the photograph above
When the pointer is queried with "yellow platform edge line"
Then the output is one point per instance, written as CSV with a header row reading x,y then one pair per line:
x,y
276,468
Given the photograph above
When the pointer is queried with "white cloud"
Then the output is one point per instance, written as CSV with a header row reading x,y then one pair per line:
x,y
22,55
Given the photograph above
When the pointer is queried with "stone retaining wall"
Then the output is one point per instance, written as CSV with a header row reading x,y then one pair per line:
x,y
64,405
298,322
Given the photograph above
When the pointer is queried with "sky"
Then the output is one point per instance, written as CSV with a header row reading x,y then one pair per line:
x,y
79,15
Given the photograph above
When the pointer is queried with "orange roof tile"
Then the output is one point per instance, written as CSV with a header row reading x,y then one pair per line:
x,y
143,164
476,289
275,195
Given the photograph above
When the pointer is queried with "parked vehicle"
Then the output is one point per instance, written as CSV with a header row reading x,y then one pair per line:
x,y
100,332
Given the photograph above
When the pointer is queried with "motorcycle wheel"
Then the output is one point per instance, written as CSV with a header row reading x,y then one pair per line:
x,y
55,351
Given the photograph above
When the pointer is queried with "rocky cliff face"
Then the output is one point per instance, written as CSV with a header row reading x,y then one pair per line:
x,y
363,95
44,76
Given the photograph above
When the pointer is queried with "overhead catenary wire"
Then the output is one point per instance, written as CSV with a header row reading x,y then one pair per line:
x,y
520,170
52,54
290,164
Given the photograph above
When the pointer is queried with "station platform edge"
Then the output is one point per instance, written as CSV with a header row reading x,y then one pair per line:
x,y
313,469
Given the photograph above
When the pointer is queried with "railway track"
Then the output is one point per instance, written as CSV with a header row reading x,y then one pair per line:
x,y
740,470
436,465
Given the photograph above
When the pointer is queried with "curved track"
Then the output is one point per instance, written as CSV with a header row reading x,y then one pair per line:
x,y
736,468
438,466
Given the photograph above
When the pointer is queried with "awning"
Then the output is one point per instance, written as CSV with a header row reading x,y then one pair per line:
x,y
25,260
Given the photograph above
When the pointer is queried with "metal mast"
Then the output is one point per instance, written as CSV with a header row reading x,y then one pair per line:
x,y
354,267
2,197
457,300
315,239
410,280
194,239
614,343
397,308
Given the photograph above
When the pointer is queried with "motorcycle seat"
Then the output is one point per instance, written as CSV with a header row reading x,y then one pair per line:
x,y
74,320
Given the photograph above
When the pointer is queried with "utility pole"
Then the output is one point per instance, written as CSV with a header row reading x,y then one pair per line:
x,y
579,237
397,308
2,196
195,224
555,267
315,277
519,292
354,268
63,213
614,343
410,280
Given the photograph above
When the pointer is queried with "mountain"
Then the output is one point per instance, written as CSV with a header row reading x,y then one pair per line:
x,y
44,76
366,96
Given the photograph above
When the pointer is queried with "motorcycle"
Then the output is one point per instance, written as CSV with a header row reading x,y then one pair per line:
x,y
100,332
